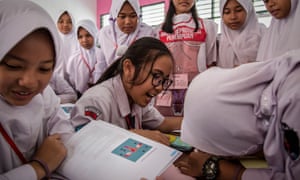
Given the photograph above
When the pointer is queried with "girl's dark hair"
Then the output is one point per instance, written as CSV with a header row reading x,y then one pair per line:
x,y
168,23
143,51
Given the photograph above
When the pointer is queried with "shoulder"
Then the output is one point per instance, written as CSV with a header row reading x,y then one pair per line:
x,y
50,100
103,92
105,30
208,22
146,29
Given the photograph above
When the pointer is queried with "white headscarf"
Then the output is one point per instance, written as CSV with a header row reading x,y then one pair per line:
x,y
69,41
18,19
89,54
240,46
282,34
111,38
236,112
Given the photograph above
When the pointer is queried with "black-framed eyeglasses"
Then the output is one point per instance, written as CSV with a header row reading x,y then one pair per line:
x,y
158,79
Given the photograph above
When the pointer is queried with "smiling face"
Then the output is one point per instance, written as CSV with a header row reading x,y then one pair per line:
x,y
127,19
86,40
183,6
143,92
279,9
26,69
234,15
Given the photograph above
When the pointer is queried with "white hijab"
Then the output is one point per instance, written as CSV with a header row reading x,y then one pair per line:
x,y
69,41
240,46
88,54
19,19
71,34
112,39
282,34
236,112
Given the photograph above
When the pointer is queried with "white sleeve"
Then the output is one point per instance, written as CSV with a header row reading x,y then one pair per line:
x,y
100,65
56,120
24,172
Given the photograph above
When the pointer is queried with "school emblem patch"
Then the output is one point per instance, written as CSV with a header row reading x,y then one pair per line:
x,y
92,112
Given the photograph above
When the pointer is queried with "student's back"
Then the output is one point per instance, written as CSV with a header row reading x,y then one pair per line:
x,y
240,33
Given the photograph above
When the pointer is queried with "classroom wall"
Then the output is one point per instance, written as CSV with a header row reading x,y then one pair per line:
x,y
80,9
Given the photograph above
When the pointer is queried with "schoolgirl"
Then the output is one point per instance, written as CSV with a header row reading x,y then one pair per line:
x,y
125,27
240,33
123,94
282,34
81,65
69,43
33,127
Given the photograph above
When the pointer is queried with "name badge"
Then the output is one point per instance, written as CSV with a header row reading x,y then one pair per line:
x,y
164,99
180,81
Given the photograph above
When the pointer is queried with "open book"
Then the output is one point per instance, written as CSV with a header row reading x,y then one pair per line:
x,y
103,151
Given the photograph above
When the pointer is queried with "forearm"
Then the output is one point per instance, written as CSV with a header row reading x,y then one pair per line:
x,y
170,124
24,172
230,170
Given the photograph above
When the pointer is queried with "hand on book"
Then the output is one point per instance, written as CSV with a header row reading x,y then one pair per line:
x,y
154,135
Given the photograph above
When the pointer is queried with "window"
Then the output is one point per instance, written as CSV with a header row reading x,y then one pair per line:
x,y
104,20
153,14
210,9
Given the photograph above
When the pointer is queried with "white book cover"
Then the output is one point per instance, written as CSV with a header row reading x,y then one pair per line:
x,y
104,151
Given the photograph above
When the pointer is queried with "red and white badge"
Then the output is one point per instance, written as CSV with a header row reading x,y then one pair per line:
x,y
92,112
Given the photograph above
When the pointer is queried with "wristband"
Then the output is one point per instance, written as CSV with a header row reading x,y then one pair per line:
x,y
44,166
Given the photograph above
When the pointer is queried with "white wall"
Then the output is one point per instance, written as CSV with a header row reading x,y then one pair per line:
x,y
80,9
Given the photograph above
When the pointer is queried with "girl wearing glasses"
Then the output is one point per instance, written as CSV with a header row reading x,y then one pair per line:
x,y
123,93
127,87
283,32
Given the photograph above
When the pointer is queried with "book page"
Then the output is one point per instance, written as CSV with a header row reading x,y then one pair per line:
x,y
103,151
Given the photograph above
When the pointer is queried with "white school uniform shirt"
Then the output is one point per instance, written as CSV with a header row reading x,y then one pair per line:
x,y
282,35
112,40
81,65
240,112
27,125
240,46
62,89
109,102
